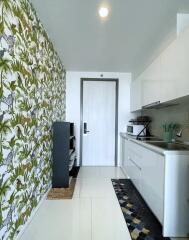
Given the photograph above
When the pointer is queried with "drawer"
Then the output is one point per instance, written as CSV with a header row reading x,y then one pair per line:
x,y
135,173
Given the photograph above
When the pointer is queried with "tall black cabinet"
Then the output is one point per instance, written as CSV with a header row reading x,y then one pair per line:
x,y
63,153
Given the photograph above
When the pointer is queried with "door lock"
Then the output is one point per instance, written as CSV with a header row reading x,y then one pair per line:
x,y
85,128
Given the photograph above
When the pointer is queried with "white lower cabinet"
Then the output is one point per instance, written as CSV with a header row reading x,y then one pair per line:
x,y
129,165
153,181
135,173
146,170
124,156
162,180
176,201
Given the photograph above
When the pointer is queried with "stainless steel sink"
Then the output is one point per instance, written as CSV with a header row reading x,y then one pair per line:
x,y
170,146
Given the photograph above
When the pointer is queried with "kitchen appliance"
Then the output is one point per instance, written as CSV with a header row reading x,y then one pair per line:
x,y
139,126
136,129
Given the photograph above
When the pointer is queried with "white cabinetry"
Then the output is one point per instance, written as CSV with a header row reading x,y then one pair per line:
x,y
136,95
129,164
153,181
146,170
151,83
175,69
167,78
162,180
134,162
124,155
176,201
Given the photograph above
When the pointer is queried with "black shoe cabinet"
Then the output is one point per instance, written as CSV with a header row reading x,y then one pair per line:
x,y
64,156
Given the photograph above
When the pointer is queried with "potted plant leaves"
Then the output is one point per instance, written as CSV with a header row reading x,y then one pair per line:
x,y
168,131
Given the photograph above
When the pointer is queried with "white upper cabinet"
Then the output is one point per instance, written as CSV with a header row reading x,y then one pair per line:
x,y
136,95
175,68
151,82
167,78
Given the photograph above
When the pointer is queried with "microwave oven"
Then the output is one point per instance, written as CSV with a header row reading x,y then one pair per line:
x,y
135,130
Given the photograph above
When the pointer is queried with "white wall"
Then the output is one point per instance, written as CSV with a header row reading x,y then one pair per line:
x,y
73,100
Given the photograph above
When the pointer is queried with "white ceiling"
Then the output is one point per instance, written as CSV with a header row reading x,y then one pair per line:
x,y
135,32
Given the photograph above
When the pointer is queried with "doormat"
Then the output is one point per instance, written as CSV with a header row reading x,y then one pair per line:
x,y
65,193
62,193
140,220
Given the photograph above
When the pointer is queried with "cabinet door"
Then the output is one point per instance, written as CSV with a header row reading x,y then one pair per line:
x,y
175,68
176,216
146,170
152,181
167,77
128,167
134,164
135,172
124,154
136,95
151,83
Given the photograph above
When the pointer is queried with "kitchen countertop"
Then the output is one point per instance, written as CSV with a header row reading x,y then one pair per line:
x,y
152,147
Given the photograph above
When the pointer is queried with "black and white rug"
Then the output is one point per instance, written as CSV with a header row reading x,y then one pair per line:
x,y
140,220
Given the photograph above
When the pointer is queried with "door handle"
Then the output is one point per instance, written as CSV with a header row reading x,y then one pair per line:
x,y
85,128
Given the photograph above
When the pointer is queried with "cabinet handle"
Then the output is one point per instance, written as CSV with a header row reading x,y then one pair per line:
x,y
136,165
151,105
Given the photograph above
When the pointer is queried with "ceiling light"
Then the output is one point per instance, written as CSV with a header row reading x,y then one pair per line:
x,y
103,12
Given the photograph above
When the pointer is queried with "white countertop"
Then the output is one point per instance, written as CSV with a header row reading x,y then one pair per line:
x,y
152,147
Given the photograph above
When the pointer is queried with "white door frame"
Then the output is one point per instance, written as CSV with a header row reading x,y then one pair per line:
x,y
116,113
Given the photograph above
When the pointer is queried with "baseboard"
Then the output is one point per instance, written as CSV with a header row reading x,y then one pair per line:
x,y
32,215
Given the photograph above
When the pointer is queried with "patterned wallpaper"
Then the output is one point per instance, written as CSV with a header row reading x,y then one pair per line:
x,y
32,96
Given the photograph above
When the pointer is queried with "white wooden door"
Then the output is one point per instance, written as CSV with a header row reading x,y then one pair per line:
x,y
99,110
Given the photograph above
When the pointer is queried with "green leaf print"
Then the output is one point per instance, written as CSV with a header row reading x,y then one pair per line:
x,y
32,96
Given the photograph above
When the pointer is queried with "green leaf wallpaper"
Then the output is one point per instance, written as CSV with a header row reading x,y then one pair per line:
x,y
32,96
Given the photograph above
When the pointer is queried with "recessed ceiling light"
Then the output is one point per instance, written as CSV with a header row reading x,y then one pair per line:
x,y
103,12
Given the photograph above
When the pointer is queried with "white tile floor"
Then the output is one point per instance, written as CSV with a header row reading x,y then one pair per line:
x,y
92,214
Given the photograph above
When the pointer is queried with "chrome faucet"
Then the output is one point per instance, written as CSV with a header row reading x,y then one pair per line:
x,y
179,134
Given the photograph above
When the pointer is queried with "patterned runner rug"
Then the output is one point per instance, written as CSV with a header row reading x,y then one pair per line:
x,y
140,220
